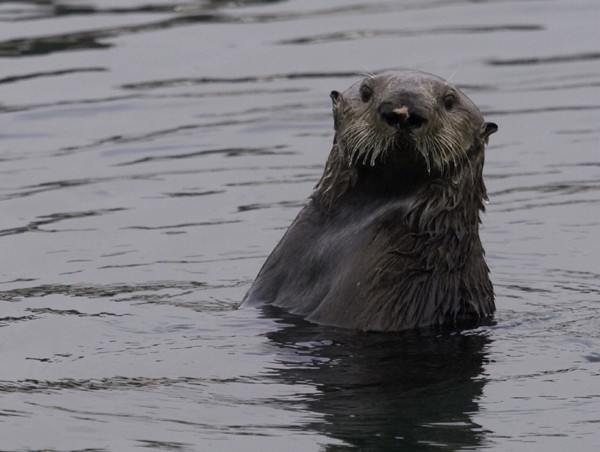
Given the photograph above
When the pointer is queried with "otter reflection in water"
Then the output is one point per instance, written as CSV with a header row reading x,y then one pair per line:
x,y
390,238
406,391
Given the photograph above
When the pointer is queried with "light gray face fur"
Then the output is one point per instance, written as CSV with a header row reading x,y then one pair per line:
x,y
434,119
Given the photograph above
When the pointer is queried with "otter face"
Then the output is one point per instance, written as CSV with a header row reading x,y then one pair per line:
x,y
406,112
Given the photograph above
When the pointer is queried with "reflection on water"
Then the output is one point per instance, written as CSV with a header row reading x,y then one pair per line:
x,y
151,155
415,389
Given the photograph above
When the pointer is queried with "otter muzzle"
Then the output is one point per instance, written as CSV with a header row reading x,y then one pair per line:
x,y
402,115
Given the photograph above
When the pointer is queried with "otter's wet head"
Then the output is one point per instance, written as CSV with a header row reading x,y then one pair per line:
x,y
409,116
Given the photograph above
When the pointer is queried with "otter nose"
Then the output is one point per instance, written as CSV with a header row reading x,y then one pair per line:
x,y
402,115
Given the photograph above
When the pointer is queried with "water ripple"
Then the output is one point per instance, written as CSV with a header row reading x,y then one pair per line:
x,y
569,58
109,291
227,152
237,80
23,77
36,226
374,33
101,384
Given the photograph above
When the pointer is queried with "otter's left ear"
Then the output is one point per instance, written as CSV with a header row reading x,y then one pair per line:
x,y
487,129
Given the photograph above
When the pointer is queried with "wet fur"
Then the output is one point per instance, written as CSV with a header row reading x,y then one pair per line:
x,y
390,238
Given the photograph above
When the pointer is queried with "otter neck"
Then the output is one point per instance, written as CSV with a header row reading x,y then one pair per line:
x,y
391,178
460,189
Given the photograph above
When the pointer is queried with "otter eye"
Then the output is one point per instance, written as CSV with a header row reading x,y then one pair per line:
x,y
449,101
365,92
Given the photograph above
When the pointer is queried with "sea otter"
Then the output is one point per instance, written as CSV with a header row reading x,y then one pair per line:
x,y
389,239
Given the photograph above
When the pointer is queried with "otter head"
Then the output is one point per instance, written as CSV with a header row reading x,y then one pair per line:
x,y
407,115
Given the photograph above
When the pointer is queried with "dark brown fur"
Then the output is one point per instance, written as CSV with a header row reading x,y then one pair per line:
x,y
390,238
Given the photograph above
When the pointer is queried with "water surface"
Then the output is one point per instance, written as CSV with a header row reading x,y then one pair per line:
x,y
153,153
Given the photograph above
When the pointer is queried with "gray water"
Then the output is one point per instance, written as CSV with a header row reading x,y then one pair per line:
x,y
153,153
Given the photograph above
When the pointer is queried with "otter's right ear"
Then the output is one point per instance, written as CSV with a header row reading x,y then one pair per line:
x,y
335,98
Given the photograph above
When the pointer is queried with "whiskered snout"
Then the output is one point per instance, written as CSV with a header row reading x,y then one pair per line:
x,y
402,114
